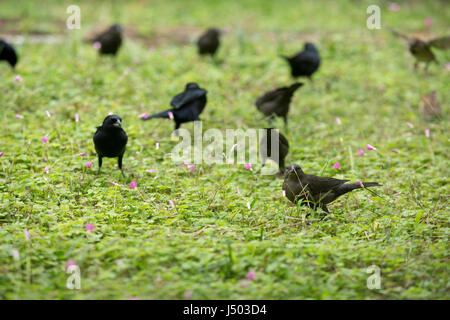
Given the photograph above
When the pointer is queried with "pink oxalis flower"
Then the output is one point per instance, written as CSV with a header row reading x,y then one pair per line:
x,y
19,116
44,159
150,171
447,66
370,147
360,183
191,167
15,254
46,169
48,113
97,45
428,21
236,191
248,166
395,151
82,154
336,165
1,153
250,275
77,117
89,227
44,139
361,152
156,145
394,7
70,263
338,121
89,164
133,184
143,116
172,204
409,124
18,78
113,183
170,115
427,133
26,233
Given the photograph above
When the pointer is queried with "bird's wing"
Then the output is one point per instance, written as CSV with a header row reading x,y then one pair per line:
x,y
271,95
442,43
187,96
321,184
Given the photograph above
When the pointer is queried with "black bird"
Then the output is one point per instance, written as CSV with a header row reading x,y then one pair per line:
x,y
276,102
187,106
209,42
8,54
265,148
110,40
421,50
304,63
110,140
316,192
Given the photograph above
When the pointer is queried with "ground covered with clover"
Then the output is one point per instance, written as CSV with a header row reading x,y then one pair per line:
x,y
170,231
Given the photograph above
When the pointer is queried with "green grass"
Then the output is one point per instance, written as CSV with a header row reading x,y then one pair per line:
x,y
142,247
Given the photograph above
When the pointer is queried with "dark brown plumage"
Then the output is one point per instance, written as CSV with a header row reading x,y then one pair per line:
x,y
265,147
110,40
316,192
8,54
209,42
305,63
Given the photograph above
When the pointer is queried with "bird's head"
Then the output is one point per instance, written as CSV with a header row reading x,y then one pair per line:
x,y
112,122
310,47
116,28
191,85
214,32
293,171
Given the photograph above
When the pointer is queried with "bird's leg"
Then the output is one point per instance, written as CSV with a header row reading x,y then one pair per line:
x,y
177,126
99,165
285,123
119,161
415,65
426,67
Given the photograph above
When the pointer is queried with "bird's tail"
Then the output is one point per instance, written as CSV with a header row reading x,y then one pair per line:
x,y
347,187
164,114
295,86
284,57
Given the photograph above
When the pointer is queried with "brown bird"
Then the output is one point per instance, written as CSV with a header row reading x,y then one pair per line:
x,y
421,50
209,42
109,40
429,107
316,192
276,102
265,148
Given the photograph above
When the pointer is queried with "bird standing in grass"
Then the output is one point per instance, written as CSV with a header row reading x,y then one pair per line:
x,y
8,54
187,106
305,63
209,42
316,192
110,141
265,148
110,40
421,50
276,102
429,107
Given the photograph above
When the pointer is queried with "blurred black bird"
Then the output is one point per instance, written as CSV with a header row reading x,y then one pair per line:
x,y
110,140
421,50
110,40
209,42
265,148
276,102
187,106
304,63
8,54
316,192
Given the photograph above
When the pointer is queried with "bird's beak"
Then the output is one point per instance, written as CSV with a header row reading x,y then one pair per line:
x,y
117,123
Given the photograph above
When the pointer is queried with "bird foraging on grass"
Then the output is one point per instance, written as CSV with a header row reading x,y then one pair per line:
x,y
109,41
187,106
110,141
265,147
305,63
8,54
316,192
209,42
276,102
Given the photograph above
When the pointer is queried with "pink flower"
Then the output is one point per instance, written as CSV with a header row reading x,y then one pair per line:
x,y
284,193
1,153
89,227
113,183
157,145
27,234
172,204
150,171
133,185
447,66
369,147
82,154
428,21
18,78
185,163
360,183
394,7
248,166
97,45
70,263
143,116
427,133
409,124
250,275
110,113
395,151
236,191
361,152
89,164
44,159
338,121
48,113
336,165
170,115
46,169
77,117
44,139
397,194
19,116
191,167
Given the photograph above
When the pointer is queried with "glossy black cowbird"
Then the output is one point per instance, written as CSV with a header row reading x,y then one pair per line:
x,y
276,102
110,140
110,40
187,106
316,192
421,50
8,54
209,42
304,63
265,147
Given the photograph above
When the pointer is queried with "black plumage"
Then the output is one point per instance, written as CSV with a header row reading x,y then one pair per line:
x,y
187,106
8,54
305,63
110,40
276,102
110,141
209,42
316,192
265,147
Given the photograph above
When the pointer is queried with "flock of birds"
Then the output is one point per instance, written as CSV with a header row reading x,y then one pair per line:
x,y
110,139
